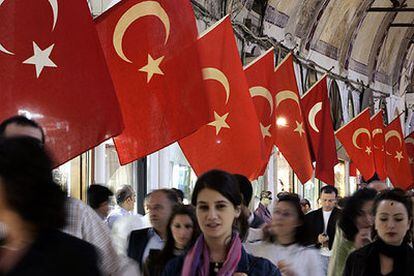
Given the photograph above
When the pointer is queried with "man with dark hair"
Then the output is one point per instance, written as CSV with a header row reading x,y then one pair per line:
x,y
125,200
180,194
159,204
246,189
21,126
99,199
322,222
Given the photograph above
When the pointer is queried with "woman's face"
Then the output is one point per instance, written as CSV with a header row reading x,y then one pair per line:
x,y
365,219
215,214
285,219
391,221
182,228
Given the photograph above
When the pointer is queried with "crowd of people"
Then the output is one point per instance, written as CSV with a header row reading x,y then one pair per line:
x,y
44,232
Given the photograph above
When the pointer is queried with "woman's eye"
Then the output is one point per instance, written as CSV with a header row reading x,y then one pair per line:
x,y
383,219
177,226
203,207
220,206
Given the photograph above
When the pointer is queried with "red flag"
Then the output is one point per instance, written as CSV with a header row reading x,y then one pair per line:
x,y
232,141
150,48
396,157
378,144
355,136
290,131
352,169
52,70
409,145
320,130
259,74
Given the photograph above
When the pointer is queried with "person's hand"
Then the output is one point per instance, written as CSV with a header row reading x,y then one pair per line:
x,y
285,268
363,237
323,238
240,274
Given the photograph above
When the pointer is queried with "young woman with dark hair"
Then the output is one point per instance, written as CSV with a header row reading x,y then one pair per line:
x,y
353,230
284,240
32,209
219,251
390,253
182,232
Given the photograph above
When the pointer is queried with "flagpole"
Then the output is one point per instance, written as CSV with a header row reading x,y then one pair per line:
x,y
259,57
315,84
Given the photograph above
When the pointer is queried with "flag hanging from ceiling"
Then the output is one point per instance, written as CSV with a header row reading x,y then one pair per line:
x,y
259,74
317,111
290,131
355,137
396,157
378,144
150,48
232,140
53,71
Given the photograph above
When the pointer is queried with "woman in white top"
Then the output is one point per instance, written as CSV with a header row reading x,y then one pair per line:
x,y
283,239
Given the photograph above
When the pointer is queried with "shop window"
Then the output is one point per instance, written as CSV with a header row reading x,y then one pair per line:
x,y
284,174
117,175
75,175
183,178
339,171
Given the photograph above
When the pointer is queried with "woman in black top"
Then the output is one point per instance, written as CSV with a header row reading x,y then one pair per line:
x,y
182,232
390,253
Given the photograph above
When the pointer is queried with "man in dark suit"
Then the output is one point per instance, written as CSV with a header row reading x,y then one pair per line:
x,y
159,204
322,222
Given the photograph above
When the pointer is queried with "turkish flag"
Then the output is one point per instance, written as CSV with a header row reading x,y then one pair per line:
x,y
53,71
317,110
396,157
150,48
352,169
409,145
232,141
355,136
290,131
259,74
378,144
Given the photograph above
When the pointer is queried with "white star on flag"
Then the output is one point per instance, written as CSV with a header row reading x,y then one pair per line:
x,y
40,58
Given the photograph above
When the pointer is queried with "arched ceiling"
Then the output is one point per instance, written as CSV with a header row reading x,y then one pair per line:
x,y
348,34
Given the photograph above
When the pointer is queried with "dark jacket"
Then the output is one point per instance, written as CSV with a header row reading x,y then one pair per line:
x,y
315,225
358,262
138,240
249,264
56,253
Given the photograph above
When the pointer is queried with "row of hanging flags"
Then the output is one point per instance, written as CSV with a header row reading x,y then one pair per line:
x,y
141,73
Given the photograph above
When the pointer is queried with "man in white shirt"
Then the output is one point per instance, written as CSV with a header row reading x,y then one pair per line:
x,y
125,200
